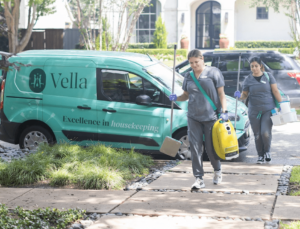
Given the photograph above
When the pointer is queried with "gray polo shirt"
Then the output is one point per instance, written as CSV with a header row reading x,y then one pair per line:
x,y
260,93
199,108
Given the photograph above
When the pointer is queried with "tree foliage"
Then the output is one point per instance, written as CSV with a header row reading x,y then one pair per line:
x,y
160,34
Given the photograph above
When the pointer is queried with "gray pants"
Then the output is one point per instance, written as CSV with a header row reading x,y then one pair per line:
x,y
262,129
195,134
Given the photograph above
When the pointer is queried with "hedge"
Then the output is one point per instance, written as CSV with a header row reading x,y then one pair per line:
x,y
264,44
282,50
148,45
182,52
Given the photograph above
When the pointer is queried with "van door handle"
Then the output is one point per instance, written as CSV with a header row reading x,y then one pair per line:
x,y
107,110
84,107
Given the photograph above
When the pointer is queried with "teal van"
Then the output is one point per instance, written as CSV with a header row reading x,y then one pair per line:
x,y
84,97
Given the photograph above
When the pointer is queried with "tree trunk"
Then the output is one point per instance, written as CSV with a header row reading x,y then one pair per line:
x,y
116,41
100,25
133,22
12,15
28,33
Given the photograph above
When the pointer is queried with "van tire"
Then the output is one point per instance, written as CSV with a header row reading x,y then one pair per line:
x,y
42,133
183,134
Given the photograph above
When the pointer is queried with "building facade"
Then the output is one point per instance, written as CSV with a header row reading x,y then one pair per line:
x,y
200,20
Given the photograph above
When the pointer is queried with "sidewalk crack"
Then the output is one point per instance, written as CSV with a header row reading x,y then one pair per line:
x,y
122,202
20,195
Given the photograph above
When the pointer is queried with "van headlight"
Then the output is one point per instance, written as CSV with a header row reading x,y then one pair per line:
x,y
231,117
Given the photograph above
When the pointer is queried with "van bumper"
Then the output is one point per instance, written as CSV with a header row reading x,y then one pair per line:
x,y
8,130
244,140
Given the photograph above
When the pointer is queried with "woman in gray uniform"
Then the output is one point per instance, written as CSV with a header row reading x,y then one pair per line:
x,y
260,90
201,116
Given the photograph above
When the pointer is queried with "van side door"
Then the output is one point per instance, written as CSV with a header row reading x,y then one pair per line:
x,y
126,124
69,100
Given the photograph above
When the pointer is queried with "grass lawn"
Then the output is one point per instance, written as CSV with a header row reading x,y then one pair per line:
x,y
298,112
293,225
93,167
41,218
295,181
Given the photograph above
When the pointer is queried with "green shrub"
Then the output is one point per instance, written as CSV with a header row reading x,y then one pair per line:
x,y
148,45
264,44
282,50
182,52
286,50
96,167
160,34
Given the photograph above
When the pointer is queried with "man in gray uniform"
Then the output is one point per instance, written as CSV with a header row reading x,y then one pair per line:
x,y
201,116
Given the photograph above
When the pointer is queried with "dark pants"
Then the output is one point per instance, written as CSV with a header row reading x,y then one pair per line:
x,y
262,129
195,135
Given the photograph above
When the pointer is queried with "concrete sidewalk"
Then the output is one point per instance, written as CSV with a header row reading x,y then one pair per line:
x,y
246,193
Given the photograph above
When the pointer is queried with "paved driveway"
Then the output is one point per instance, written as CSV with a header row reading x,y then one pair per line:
x,y
285,146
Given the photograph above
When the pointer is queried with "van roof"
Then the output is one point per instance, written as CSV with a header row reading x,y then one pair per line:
x,y
140,59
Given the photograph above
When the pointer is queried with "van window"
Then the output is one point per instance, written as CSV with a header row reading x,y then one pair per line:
x,y
121,86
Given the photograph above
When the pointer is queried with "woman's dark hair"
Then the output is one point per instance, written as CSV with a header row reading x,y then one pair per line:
x,y
195,53
259,61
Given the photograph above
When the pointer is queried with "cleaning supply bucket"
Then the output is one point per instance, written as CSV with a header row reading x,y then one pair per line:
x,y
277,120
285,107
290,117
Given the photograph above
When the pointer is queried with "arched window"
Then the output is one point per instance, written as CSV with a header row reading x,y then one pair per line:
x,y
145,25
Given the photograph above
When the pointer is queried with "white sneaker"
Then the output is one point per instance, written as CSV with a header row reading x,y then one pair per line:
x,y
199,183
217,177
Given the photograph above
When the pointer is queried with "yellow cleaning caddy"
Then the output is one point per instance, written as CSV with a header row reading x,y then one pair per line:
x,y
225,140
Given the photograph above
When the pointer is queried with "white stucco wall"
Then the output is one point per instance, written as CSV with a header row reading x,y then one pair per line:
x,y
248,28
54,21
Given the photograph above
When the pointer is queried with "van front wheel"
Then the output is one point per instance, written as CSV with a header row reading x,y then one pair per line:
x,y
33,136
184,152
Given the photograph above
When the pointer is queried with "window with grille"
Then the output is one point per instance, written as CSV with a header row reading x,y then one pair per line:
x,y
262,13
145,25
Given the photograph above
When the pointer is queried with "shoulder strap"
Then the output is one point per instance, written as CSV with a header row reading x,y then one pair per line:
x,y
266,74
202,90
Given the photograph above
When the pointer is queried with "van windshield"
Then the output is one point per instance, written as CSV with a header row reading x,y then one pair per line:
x,y
164,75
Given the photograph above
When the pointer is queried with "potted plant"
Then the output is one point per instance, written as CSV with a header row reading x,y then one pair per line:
x,y
184,42
223,42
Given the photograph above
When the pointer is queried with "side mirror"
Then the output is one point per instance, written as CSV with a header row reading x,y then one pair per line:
x,y
143,100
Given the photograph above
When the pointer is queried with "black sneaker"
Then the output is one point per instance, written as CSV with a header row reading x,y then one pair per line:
x,y
268,157
260,160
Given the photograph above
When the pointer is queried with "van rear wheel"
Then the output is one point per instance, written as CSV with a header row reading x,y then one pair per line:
x,y
184,152
33,136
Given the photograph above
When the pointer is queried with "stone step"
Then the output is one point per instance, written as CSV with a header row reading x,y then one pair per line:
x,y
233,167
136,222
90,200
287,208
230,183
198,204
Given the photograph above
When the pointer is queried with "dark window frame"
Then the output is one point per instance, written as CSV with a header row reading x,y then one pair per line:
x,y
149,29
102,97
262,15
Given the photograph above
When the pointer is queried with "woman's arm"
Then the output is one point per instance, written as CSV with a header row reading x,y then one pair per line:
x,y
222,97
183,97
276,92
244,95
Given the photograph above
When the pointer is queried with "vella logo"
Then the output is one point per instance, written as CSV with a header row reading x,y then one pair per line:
x,y
69,82
37,80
